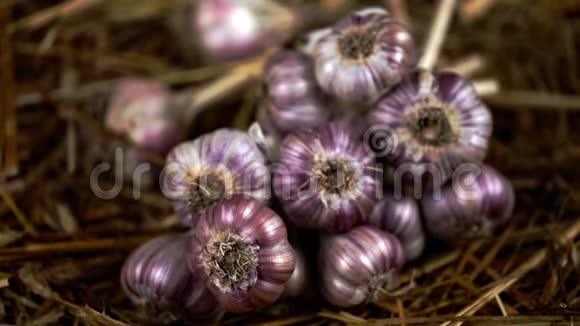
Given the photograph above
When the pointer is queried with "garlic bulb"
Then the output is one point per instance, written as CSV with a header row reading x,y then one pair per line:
x,y
241,248
215,166
156,274
362,55
325,179
429,125
401,217
293,98
232,29
142,110
359,266
298,284
470,207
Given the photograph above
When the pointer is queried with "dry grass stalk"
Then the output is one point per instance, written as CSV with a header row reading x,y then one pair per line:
x,y
437,34
46,16
534,262
9,165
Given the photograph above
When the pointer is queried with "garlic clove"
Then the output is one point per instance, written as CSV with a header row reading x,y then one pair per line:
x,y
276,262
402,218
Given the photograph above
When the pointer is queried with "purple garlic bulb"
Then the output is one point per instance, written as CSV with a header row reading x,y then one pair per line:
x,y
211,168
298,284
293,99
363,55
470,207
233,29
142,110
241,248
359,266
156,274
326,179
401,217
430,125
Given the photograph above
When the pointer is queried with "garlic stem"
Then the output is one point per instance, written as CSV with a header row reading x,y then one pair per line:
x,y
486,87
437,34
198,101
399,10
46,16
467,66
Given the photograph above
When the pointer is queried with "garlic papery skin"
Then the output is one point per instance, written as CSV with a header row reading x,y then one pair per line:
x,y
143,111
293,98
241,248
432,122
359,266
401,217
363,55
325,179
155,274
470,207
211,168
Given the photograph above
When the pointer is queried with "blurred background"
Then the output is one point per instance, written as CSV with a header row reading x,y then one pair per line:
x,y
61,246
